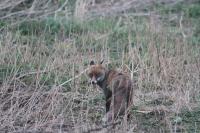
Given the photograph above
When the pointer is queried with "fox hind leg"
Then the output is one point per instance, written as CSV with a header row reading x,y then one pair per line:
x,y
117,107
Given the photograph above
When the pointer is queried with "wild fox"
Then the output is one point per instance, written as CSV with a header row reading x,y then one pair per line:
x,y
117,88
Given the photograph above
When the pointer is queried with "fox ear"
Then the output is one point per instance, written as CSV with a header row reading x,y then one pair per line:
x,y
102,61
92,63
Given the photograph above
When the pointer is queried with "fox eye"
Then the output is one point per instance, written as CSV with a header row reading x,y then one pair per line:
x,y
98,74
90,74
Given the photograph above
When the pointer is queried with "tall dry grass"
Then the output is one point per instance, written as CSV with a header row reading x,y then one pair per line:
x,y
45,89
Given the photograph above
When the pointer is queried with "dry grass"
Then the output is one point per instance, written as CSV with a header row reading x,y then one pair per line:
x,y
45,89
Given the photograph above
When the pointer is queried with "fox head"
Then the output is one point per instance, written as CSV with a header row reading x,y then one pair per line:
x,y
96,72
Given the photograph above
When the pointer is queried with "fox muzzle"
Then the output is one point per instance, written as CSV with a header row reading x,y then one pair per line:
x,y
93,81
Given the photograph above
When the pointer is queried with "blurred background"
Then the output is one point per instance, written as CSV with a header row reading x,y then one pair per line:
x,y
46,46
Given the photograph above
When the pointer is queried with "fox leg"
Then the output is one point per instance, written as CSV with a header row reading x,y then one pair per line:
x,y
108,102
117,107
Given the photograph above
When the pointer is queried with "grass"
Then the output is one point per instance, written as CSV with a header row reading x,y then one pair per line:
x,y
37,57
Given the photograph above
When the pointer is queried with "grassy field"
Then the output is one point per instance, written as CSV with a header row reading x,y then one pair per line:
x,y
44,87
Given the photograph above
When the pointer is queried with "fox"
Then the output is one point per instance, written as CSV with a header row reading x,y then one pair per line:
x,y
116,86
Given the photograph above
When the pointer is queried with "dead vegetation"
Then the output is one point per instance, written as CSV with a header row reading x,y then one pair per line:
x,y
43,86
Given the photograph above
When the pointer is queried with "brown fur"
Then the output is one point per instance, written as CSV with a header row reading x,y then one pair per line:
x,y
117,88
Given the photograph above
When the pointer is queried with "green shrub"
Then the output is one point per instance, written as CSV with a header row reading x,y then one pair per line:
x,y
193,11
2,24
36,27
